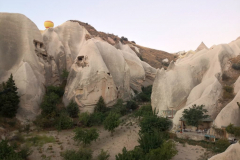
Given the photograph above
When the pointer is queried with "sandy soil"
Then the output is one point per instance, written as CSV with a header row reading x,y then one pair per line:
x,y
125,135
189,152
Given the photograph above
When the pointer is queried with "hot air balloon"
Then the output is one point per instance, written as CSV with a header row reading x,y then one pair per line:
x,y
48,24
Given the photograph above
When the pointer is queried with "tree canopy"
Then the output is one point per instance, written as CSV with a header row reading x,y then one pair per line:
x,y
194,115
9,99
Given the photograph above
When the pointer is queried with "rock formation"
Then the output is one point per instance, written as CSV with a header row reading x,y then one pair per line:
x,y
19,52
201,47
194,79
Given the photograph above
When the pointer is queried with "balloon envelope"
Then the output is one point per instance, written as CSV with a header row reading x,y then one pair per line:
x,y
48,24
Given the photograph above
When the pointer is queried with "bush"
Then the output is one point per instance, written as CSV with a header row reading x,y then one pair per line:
x,y
236,66
131,105
85,135
81,154
135,154
165,152
111,122
148,141
64,121
49,103
228,92
55,89
101,106
7,152
233,130
144,111
225,77
221,145
9,99
104,155
145,95
73,109
119,108
152,123
85,119
97,118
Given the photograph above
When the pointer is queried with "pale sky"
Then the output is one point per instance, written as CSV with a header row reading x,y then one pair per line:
x,y
169,25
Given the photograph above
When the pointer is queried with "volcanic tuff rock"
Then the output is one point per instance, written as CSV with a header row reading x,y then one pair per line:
x,y
19,57
194,79
96,68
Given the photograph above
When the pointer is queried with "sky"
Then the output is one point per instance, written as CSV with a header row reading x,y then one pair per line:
x,y
168,25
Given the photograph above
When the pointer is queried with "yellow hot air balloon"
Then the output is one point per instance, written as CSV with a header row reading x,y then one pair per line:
x,y
48,24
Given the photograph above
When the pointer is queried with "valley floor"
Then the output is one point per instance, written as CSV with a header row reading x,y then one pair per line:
x,y
126,135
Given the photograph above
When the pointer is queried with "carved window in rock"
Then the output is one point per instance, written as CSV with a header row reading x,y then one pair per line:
x,y
39,49
82,61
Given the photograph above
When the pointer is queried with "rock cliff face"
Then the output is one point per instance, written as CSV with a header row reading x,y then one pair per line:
x,y
19,47
232,153
194,79
97,67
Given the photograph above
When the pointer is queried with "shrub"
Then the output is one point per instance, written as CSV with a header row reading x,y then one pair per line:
x,y
7,152
9,99
97,118
73,109
233,130
148,141
145,95
49,103
55,89
64,74
85,119
221,145
135,154
85,135
81,154
236,66
104,155
131,105
145,110
40,140
228,89
25,152
166,151
111,122
119,108
152,123
64,121
228,92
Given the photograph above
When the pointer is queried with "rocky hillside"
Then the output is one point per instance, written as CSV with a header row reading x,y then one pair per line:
x,y
151,56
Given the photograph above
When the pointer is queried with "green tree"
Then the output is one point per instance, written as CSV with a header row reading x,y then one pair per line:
x,y
165,152
101,106
72,109
85,135
85,119
49,104
9,99
153,123
131,105
194,115
111,122
119,107
148,141
64,121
